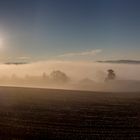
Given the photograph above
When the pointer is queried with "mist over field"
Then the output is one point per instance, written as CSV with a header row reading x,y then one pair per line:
x,y
79,75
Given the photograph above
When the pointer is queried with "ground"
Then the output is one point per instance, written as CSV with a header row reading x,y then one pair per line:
x,y
31,113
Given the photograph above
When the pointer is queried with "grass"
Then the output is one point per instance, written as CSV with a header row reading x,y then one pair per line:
x,y
28,113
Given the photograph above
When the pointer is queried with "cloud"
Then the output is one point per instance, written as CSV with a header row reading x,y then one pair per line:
x,y
19,61
121,61
15,63
23,58
85,53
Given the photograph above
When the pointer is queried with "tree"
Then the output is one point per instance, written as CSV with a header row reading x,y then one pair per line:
x,y
59,77
111,75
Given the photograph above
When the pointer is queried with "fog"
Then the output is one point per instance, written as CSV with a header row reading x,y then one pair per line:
x,y
81,74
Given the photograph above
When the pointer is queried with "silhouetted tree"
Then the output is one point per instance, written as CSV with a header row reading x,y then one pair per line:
x,y
111,75
59,77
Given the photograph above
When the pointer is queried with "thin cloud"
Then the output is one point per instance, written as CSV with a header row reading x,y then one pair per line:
x,y
15,63
121,61
24,58
85,53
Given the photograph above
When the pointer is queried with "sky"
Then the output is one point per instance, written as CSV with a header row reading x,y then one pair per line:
x,y
89,30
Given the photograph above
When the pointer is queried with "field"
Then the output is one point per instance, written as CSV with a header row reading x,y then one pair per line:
x,y
29,113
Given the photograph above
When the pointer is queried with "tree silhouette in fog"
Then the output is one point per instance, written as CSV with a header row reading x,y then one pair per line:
x,y
111,75
59,77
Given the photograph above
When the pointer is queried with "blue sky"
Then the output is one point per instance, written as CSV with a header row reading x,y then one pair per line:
x,y
54,29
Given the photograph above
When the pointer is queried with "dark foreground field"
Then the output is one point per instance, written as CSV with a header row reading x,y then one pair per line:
x,y
27,113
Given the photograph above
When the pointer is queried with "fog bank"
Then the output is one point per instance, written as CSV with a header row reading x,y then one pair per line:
x,y
83,75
